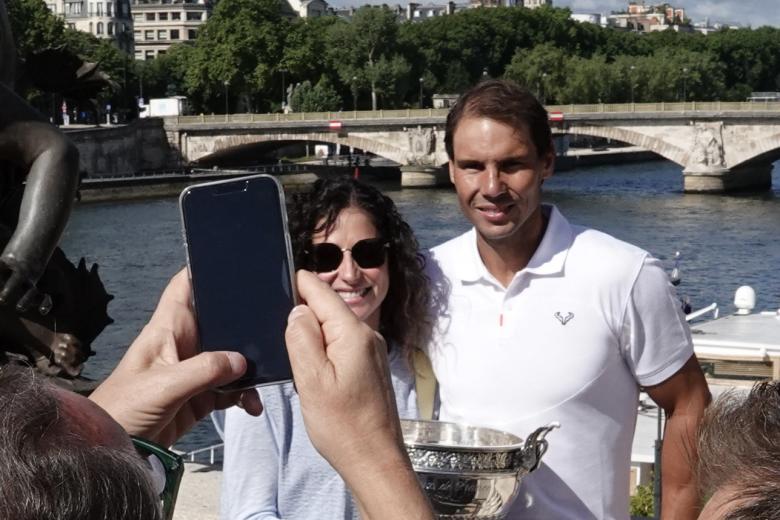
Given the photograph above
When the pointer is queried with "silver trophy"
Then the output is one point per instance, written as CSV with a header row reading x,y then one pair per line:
x,y
468,471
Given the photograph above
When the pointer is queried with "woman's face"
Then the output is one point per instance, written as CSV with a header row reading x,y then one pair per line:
x,y
363,289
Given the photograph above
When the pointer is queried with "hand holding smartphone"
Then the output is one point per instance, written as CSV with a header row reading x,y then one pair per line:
x,y
240,263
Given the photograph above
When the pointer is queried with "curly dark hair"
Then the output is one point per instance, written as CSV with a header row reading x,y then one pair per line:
x,y
404,312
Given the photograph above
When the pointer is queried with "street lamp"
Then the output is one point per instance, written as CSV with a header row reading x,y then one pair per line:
x,y
685,83
632,84
283,89
422,80
227,107
354,93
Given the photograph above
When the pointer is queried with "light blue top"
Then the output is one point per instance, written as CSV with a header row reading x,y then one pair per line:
x,y
272,471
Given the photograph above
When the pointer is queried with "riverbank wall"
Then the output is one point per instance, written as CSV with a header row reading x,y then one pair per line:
x,y
587,157
121,154
121,151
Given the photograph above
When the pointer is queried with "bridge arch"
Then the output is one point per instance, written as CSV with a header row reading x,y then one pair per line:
x,y
226,143
663,148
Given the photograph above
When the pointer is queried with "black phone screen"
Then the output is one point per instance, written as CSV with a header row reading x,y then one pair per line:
x,y
240,267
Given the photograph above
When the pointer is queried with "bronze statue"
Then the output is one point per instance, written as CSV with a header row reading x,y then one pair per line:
x,y
50,310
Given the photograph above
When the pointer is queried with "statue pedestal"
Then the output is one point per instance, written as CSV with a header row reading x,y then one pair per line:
x,y
756,177
413,176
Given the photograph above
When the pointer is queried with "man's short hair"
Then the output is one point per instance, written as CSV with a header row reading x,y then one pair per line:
x,y
739,451
49,471
505,102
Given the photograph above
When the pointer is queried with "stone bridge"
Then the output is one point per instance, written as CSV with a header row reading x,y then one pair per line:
x,y
720,146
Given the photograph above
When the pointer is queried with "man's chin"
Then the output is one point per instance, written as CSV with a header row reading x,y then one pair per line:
x,y
496,233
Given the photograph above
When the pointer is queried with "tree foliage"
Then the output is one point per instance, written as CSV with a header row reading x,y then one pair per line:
x,y
35,28
321,97
239,45
373,60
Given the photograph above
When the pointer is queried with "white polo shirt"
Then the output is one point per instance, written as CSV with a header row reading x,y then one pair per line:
x,y
571,339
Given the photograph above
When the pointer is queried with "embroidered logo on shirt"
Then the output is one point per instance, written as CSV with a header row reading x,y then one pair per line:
x,y
564,319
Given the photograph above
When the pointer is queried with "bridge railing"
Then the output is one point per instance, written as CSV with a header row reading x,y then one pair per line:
x,y
688,106
411,113
313,116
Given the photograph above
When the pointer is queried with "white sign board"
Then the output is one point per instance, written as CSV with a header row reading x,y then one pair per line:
x,y
321,151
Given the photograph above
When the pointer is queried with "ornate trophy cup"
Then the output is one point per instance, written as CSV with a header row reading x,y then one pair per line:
x,y
468,471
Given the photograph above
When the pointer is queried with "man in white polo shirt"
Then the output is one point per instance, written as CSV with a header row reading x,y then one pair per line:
x,y
544,321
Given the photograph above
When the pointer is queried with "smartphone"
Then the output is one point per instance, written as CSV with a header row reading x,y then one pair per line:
x,y
240,264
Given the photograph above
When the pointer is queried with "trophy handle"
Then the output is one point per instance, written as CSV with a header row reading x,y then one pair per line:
x,y
536,446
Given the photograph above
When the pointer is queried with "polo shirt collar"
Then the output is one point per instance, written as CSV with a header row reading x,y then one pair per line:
x,y
549,258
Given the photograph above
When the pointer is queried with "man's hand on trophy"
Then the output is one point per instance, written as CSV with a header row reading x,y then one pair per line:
x,y
17,288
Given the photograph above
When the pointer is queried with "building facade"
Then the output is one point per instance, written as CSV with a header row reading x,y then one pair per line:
x,y
640,17
308,8
158,24
106,19
533,4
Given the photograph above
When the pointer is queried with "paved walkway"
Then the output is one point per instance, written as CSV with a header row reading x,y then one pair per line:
x,y
199,493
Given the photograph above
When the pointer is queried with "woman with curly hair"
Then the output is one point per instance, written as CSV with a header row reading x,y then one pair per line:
x,y
353,237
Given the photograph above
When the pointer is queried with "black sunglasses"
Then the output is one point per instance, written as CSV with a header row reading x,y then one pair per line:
x,y
367,253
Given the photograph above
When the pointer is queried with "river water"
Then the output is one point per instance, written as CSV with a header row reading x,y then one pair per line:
x,y
725,241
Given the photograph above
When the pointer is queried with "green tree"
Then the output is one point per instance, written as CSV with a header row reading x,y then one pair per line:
x,y
587,80
165,75
321,97
542,70
641,503
365,49
35,28
242,44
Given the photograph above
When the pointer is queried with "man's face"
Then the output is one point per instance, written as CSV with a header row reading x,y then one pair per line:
x,y
498,176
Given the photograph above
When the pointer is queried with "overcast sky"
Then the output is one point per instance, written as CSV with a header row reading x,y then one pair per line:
x,y
746,12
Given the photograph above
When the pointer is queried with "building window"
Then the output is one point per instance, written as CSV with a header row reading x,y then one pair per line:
x,y
99,28
192,34
174,34
175,16
148,35
162,34
138,17
149,55
162,16
149,17
110,28
160,52
193,17
109,9
137,35
99,9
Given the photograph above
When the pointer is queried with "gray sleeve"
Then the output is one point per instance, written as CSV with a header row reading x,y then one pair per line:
x,y
251,465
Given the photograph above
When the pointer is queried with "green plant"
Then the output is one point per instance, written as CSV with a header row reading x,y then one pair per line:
x,y
642,502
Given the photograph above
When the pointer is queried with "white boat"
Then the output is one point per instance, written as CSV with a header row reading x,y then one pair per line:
x,y
735,351
741,346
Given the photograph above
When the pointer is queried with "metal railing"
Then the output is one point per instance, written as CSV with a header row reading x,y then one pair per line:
x,y
210,450
416,113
